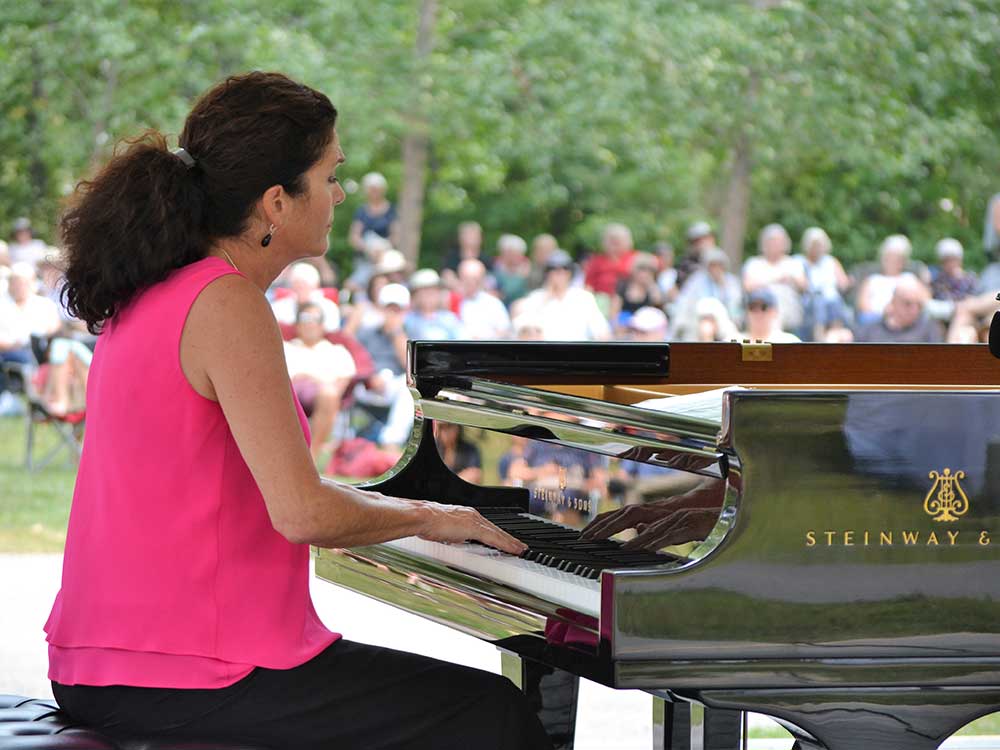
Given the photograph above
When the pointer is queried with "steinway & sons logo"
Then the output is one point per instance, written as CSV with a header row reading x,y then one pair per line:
x,y
950,501
946,502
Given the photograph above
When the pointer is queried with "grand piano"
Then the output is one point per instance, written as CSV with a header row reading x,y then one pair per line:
x,y
848,585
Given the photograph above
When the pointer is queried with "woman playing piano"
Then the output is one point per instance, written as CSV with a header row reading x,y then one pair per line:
x,y
185,607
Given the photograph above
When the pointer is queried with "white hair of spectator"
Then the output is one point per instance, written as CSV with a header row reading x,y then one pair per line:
x,y
949,247
470,267
22,270
394,294
773,230
612,230
376,245
392,261
648,319
512,242
712,307
527,321
895,243
716,255
424,278
374,180
814,235
304,273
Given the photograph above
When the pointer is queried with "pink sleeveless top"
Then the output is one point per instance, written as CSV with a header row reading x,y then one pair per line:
x,y
173,575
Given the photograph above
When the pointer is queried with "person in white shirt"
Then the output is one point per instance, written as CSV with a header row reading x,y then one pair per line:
x,y
25,247
778,271
567,313
763,320
304,282
483,315
23,313
319,371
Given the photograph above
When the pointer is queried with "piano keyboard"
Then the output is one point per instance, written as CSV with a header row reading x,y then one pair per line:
x,y
558,566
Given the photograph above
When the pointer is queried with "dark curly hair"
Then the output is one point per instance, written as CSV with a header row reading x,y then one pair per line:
x,y
146,213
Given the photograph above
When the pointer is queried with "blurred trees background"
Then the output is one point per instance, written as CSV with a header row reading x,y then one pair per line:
x,y
866,117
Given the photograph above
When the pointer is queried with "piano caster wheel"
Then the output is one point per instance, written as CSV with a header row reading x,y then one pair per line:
x,y
691,726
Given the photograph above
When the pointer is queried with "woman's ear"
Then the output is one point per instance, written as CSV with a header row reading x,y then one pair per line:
x,y
275,205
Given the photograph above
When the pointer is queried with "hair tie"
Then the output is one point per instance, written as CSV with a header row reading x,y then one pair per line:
x,y
184,156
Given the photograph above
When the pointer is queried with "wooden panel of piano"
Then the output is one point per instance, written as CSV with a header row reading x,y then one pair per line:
x,y
850,586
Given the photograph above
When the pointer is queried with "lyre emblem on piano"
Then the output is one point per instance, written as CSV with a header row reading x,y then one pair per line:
x,y
950,502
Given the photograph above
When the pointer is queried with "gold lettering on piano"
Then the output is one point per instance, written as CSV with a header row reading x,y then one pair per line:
x,y
950,502
887,538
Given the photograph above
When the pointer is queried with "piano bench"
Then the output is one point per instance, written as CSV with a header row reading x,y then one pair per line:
x,y
35,724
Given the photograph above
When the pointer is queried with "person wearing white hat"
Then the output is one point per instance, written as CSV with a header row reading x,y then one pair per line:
x,y
648,324
428,318
385,341
303,279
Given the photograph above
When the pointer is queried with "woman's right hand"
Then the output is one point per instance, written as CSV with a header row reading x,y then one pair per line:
x,y
457,523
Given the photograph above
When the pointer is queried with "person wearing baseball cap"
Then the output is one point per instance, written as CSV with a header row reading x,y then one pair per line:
x,y
763,320
648,324
699,238
428,317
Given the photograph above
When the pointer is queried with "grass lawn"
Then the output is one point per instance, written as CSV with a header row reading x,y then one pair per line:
x,y
34,507
34,510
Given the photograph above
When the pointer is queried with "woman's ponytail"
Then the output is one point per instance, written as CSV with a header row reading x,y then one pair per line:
x,y
129,227
150,211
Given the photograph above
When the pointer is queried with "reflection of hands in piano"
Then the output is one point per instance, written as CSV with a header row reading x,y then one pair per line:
x,y
661,523
456,523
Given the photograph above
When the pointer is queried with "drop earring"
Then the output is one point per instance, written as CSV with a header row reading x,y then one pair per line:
x,y
267,237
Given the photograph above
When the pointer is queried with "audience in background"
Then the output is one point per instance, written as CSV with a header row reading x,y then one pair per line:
x,y
603,271
826,282
567,313
876,290
429,317
482,315
24,247
638,289
512,268
648,324
903,318
712,281
775,269
303,280
764,319
376,217
700,238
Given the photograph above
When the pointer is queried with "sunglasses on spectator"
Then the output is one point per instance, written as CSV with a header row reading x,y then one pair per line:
x,y
758,307
310,318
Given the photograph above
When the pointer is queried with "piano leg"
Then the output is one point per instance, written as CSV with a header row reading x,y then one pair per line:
x,y
553,692
691,726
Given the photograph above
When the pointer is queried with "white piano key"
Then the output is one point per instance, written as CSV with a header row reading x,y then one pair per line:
x,y
557,586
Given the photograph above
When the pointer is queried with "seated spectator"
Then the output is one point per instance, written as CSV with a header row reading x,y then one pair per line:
x,y
826,282
648,324
23,313
304,282
972,313
541,248
511,269
876,290
567,313
700,239
483,316
376,217
470,245
364,264
763,320
713,281
903,318
951,282
428,317
386,389
65,389
779,272
363,312
666,277
713,321
458,454
638,289
528,327
319,371
602,272
24,247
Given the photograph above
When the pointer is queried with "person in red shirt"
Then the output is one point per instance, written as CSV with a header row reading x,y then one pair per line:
x,y
603,271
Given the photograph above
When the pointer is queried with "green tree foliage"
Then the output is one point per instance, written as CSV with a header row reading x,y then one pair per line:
x,y
552,115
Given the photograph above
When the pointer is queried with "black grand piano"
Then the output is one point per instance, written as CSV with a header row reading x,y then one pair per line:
x,y
850,584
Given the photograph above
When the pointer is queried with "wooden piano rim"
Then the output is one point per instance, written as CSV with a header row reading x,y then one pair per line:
x,y
701,367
